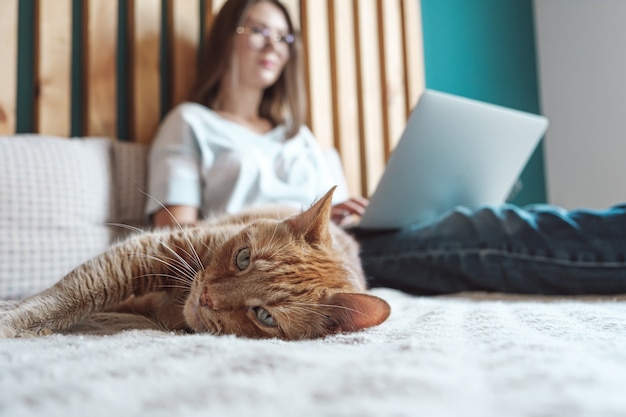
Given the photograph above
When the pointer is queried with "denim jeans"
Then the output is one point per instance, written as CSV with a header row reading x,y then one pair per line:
x,y
538,249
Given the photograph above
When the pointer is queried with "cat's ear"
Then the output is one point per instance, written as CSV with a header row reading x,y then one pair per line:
x,y
350,312
312,224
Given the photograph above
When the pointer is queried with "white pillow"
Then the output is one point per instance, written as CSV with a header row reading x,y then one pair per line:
x,y
55,201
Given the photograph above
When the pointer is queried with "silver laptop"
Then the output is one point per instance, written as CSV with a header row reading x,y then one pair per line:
x,y
454,151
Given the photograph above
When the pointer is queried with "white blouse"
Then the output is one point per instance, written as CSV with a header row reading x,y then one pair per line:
x,y
201,159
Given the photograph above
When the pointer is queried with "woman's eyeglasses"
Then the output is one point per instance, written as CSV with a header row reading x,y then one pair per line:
x,y
259,37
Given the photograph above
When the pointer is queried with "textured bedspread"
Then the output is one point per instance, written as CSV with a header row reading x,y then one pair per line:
x,y
468,355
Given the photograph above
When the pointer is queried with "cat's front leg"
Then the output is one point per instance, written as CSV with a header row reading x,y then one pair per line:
x,y
80,293
162,307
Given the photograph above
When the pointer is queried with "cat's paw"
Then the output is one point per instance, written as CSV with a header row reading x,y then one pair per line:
x,y
9,330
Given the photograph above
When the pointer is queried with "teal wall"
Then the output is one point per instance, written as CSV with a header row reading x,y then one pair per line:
x,y
485,49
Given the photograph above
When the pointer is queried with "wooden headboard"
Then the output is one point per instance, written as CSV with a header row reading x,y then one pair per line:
x,y
97,63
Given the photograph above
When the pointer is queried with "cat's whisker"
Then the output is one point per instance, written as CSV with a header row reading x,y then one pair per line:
x,y
165,244
182,261
164,207
181,286
192,255
180,227
172,265
172,286
197,258
174,277
180,302
184,275
127,227
288,316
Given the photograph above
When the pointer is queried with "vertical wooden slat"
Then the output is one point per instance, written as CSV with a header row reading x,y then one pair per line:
x,y
184,18
344,92
370,97
392,72
100,72
145,38
54,49
8,66
413,52
315,31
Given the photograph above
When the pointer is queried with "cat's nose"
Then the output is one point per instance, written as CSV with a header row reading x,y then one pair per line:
x,y
205,300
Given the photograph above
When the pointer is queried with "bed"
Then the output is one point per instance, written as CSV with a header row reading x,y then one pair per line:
x,y
465,355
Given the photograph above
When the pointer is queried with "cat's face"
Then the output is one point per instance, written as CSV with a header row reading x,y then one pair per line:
x,y
281,279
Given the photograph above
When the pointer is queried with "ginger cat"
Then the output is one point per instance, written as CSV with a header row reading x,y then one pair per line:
x,y
265,273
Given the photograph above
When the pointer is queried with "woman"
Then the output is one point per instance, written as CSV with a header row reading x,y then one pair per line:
x,y
245,130
242,142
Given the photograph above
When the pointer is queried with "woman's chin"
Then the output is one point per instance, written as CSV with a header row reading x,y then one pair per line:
x,y
267,78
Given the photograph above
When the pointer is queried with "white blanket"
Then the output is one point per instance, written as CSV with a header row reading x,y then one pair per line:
x,y
467,355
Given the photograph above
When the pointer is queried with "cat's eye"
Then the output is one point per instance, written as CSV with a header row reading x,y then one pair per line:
x,y
264,317
242,258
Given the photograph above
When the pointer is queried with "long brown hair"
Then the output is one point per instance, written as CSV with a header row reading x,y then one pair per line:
x,y
284,101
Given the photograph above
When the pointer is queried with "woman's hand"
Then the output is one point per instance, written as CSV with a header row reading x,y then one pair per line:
x,y
175,216
348,212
